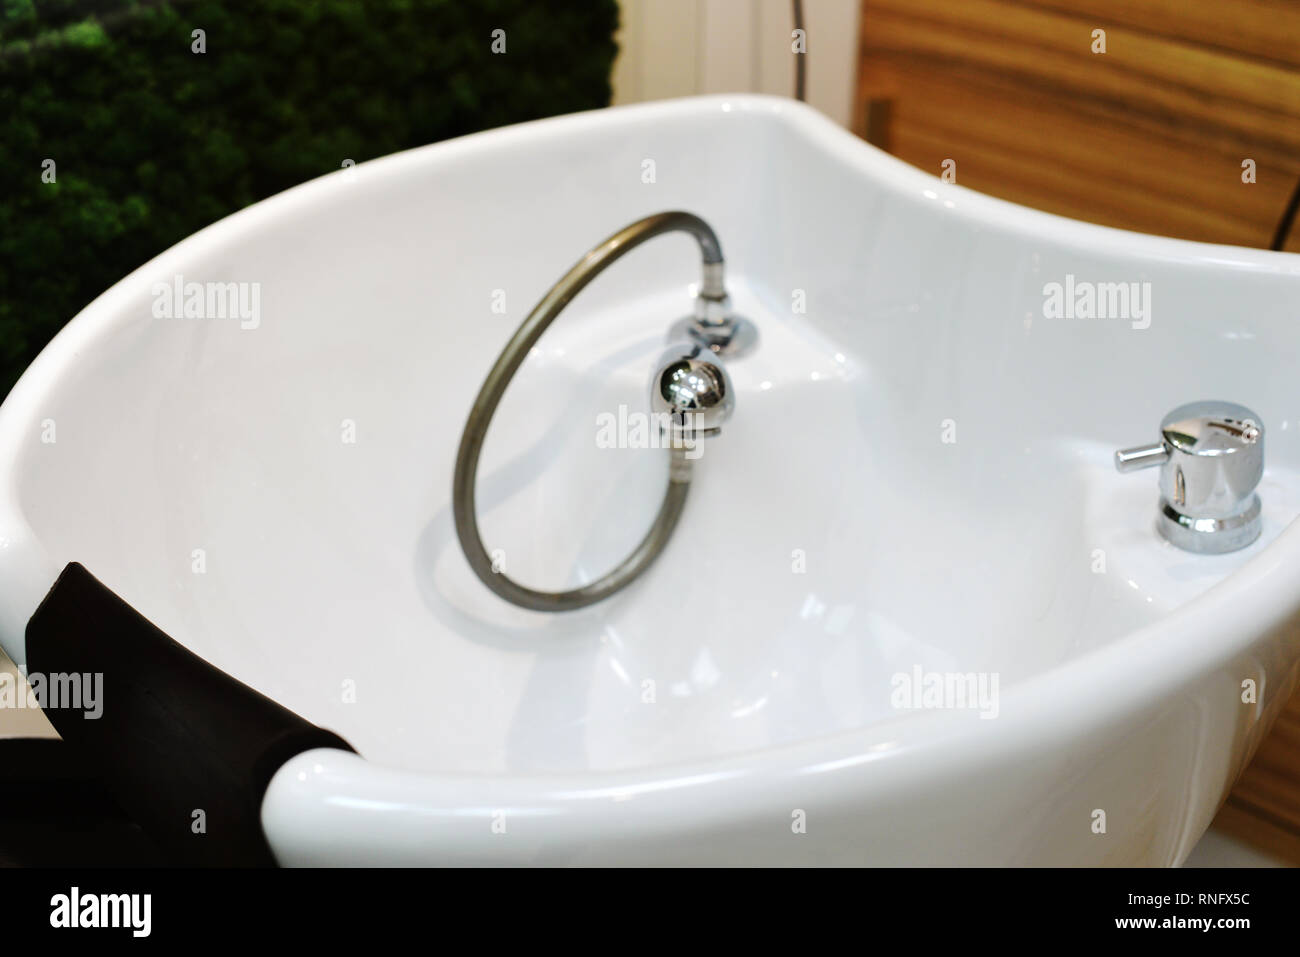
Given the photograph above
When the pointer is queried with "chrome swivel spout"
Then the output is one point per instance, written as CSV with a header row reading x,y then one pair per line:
x,y
689,391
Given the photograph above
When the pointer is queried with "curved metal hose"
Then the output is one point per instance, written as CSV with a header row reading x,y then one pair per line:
x,y
494,387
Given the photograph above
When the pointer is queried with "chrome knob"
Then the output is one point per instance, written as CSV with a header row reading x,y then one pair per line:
x,y
1211,458
690,392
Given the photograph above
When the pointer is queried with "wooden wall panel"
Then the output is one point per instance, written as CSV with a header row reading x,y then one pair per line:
x,y
1264,807
1148,136
1264,29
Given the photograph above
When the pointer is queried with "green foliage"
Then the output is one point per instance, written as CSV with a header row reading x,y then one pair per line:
x,y
152,141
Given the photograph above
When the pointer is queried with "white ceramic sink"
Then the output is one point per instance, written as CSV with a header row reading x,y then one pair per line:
x,y
736,705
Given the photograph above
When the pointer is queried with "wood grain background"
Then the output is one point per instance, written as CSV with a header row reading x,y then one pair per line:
x,y
1148,136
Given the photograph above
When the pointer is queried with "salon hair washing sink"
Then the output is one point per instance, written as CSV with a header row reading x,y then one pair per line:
x,y
910,613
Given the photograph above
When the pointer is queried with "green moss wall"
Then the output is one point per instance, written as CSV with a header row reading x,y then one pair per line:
x,y
152,141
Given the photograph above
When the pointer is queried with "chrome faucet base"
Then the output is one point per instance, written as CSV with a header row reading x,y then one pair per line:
x,y
1210,536
732,336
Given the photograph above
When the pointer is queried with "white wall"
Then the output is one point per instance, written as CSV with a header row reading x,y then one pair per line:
x,y
674,48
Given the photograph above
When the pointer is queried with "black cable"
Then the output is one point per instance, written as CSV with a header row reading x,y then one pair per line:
x,y
1288,217
800,59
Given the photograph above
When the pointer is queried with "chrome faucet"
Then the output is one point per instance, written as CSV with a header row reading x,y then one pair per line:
x,y
1211,458
690,393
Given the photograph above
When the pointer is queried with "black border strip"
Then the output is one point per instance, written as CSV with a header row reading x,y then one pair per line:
x,y
176,736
